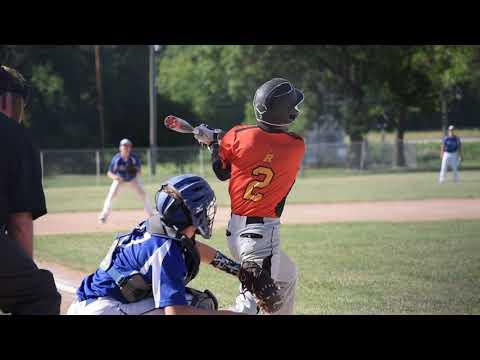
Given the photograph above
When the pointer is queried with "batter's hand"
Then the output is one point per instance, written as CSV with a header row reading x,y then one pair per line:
x,y
204,134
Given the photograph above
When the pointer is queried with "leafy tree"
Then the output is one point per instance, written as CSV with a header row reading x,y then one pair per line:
x,y
195,77
417,78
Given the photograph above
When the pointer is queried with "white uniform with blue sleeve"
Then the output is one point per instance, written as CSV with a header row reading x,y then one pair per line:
x,y
118,166
450,158
160,262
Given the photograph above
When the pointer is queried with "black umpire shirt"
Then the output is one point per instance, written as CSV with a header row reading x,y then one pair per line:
x,y
20,173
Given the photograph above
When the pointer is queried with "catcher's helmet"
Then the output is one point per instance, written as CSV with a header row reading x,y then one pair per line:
x,y
187,200
13,82
275,102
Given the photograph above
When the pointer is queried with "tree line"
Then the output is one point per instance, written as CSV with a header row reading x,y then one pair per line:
x,y
398,86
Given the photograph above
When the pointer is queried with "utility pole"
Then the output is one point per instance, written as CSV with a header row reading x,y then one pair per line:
x,y
98,76
444,115
153,49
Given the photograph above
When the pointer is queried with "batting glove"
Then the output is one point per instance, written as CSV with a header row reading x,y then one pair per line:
x,y
204,134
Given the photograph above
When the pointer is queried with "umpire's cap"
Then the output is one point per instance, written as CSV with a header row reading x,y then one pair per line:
x,y
13,82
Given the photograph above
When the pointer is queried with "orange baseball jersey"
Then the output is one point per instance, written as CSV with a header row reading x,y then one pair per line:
x,y
264,166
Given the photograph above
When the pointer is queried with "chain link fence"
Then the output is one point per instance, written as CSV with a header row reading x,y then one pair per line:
x,y
75,167
411,155
89,166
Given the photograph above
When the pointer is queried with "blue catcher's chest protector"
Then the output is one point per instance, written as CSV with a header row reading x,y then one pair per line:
x,y
132,285
191,256
129,281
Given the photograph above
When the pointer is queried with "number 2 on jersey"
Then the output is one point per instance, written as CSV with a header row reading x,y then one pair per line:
x,y
250,193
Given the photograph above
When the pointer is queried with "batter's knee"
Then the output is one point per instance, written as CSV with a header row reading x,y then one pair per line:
x,y
288,272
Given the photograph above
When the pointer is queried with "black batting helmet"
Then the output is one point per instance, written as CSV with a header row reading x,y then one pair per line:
x,y
275,102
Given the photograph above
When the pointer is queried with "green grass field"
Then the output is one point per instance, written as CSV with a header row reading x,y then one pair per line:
x,y
357,268
328,186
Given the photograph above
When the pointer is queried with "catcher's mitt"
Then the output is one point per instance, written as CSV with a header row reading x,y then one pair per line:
x,y
132,170
258,281
202,300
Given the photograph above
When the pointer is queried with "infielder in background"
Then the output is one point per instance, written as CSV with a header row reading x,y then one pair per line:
x,y
262,162
146,271
451,155
125,168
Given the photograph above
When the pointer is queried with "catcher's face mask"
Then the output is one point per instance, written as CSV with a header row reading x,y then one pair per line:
x,y
193,204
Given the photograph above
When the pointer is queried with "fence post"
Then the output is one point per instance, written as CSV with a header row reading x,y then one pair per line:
x,y
41,164
149,157
97,168
362,155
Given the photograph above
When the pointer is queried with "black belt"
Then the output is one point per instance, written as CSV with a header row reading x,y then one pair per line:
x,y
254,220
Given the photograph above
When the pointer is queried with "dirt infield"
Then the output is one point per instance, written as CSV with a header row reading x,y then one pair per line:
x,y
391,211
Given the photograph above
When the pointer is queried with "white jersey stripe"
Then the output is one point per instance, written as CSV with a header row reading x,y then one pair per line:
x,y
157,258
146,237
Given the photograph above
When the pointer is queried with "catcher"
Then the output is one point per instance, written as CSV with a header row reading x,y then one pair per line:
x,y
124,168
262,162
146,271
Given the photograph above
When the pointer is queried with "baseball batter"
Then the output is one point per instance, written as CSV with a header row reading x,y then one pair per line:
x,y
124,168
262,162
451,155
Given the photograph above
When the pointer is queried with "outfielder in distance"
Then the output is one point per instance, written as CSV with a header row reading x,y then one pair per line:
x,y
146,271
450,154
125,168
262,162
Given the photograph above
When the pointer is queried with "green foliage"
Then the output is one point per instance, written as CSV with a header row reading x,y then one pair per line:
x,y
64,106
359,84
194,76
420,75
49,84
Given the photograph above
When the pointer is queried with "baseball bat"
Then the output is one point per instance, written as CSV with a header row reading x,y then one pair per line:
x,y
177,124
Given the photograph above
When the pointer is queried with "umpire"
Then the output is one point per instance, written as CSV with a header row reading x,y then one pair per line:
x,y
24,288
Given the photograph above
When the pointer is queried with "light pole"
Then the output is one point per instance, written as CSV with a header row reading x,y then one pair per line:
x,y
444,114
101,114
153,50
